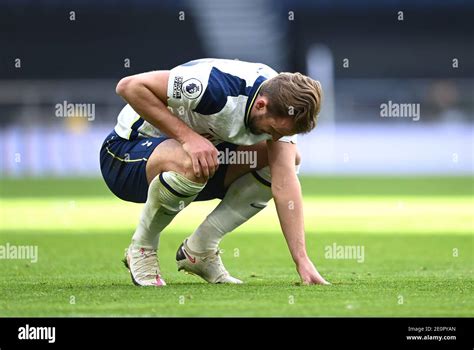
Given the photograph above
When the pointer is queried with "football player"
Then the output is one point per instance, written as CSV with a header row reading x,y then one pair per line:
x,y
165,147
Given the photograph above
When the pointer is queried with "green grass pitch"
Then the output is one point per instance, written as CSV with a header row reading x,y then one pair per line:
x,y
417,235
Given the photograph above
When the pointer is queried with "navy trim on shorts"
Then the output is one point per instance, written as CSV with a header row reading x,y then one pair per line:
x,y
123,167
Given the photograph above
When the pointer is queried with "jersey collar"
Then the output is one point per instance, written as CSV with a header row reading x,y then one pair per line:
x,y
253,93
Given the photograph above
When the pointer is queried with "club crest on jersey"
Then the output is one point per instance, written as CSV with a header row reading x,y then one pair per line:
x,y
192,88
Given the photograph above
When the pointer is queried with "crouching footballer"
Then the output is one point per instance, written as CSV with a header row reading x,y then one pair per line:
x,y
164,152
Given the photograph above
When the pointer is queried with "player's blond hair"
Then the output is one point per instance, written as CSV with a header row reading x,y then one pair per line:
x,y
294,95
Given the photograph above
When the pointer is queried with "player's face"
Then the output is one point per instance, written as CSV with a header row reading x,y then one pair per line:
x,y
261,122
277,127
255,124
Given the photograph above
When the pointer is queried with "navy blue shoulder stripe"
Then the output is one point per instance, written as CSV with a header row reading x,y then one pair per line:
x,y
219,87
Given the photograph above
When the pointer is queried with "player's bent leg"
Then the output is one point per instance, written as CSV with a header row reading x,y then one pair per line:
x,y
172,187
245,197
248,193
169,155
236,171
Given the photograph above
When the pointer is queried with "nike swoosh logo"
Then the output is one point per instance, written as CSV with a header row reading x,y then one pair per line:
x,y
193,260
257,206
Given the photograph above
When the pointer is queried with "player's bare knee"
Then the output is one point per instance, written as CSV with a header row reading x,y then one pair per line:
x,y
170,156
186,168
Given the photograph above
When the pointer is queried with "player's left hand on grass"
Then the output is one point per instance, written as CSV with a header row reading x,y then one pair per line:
x,y
309,274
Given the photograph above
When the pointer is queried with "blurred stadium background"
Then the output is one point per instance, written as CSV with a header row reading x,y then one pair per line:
x,y
361,52
362,174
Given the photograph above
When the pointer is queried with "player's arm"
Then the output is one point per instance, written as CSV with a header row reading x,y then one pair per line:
x,y
286,192
147,94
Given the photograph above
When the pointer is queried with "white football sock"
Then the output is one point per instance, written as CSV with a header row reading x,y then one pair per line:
x,y
168,194
245,197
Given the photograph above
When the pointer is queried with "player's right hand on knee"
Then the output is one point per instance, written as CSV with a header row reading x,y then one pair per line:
x,y
203,155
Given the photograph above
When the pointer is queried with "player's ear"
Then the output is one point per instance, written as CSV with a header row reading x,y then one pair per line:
x,y
260,103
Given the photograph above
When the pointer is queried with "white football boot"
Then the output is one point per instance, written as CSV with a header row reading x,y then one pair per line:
x,y
143,266
207,265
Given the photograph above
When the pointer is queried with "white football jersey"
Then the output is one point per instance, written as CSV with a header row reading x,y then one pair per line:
x,y
213,97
